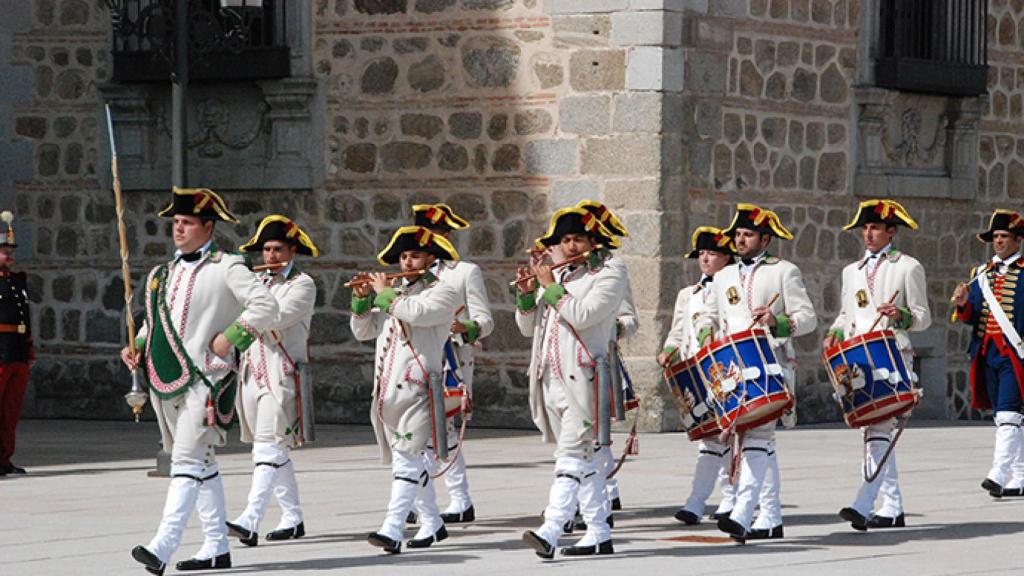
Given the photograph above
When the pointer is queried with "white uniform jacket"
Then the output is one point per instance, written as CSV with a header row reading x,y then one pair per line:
x,y
863,292
271,364
410,343
471,293
218,293
731,299
588,310
682,337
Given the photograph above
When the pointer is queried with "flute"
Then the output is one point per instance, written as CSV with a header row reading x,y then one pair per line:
x,y
568,262
275,266
362,281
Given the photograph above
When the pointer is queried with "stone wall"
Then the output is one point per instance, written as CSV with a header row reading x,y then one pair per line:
x,y
670,111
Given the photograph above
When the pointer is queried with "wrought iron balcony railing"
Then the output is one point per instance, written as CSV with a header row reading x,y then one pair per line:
x,y
933,46
228,40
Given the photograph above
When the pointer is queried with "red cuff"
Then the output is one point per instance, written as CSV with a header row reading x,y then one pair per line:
x,y
964,314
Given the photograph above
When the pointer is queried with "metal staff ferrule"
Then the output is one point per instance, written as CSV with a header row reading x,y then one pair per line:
x,y
437,414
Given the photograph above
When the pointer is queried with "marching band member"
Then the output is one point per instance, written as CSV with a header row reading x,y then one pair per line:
x,y
713,250
473,324
268,405
17,352
570,321
411,324
867,288
992,305
626,325
740,295
201,308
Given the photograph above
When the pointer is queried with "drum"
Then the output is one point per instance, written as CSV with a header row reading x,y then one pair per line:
x,y
691,397
453,387
629,399
871,381
744,380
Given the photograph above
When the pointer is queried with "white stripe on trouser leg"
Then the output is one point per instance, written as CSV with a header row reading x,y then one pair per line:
x,y
286,490
1007,446
708,469
594,506
562,497
426,500
212,511
407,470
267,459
756,443
181,499
769,514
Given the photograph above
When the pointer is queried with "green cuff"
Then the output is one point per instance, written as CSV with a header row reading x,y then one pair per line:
x,y
472,331
553,293
703,335
240,336
836,333
526,302
140,342
385,298
672,351
362,305
905,319
783,327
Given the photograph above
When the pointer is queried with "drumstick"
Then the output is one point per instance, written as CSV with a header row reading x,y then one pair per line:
x,y
879,319
770,303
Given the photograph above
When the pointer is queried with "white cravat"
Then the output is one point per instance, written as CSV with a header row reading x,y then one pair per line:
x,y
871,259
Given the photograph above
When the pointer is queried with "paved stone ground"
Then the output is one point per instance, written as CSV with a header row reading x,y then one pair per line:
x,y
88,500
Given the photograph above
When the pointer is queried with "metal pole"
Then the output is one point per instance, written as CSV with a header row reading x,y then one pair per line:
x,y
179,97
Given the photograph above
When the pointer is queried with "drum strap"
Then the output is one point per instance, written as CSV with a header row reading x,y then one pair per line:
x,y
869,478
996,310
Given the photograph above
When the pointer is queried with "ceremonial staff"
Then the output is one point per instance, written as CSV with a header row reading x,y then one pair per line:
x,y
136,397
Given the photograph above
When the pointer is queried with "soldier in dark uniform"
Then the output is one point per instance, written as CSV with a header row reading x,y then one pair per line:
x,y
16,351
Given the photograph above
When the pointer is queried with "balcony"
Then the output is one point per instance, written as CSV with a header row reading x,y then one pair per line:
x,y
933,46
227,43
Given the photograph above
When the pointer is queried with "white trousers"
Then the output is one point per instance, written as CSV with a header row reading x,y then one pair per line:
x,y
577,480
757,443
409,474
1007,447
712,465
456,481
879,438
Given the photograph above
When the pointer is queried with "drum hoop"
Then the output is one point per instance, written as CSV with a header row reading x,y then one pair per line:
x,y
773,415
848,344
854,418
730,340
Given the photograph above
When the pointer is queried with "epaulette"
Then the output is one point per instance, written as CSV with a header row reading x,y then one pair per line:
x,y
894,255
770,260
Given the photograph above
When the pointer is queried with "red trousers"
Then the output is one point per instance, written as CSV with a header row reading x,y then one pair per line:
x,y
13,381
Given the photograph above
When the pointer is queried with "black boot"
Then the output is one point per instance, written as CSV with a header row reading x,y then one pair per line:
x,y
539,545
886,522
441,534
245,536
381,541
222,561
733,529
687,517
856,519
286,533
765,533
468,515
143,556
600,550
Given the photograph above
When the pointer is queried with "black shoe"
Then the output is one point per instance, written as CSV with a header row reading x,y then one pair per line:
x,y
222,561
600,550
381,541
993,488
441,534
886,522
411,518
616,504
539,545
12,469
1012,492
687,517
468,515
286,533
245,536
611,521
856,519
733,529
569,525
716,516
765,533
143,556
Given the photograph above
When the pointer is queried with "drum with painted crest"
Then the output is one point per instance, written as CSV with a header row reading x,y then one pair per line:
x,y
745,382
688,387
871,380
